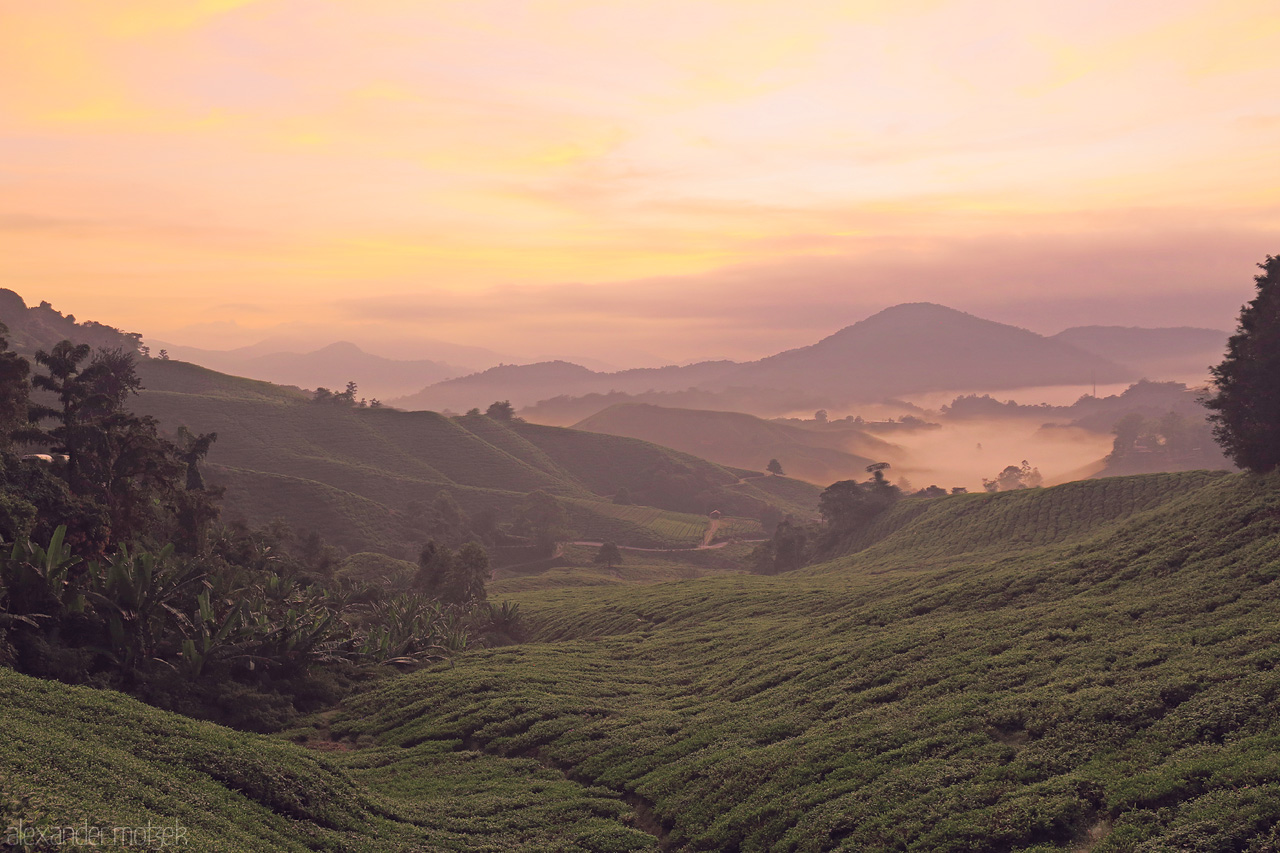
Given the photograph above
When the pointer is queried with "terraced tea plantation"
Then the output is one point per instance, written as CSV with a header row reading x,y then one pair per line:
x,y
73,758
739,528
1091,667
1112,689
675,529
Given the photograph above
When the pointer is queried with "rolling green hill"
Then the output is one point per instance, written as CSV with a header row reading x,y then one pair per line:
x,y
1088,667
75,759
353,473
1091,667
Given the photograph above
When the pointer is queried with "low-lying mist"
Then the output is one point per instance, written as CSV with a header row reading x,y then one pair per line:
x,y
966,453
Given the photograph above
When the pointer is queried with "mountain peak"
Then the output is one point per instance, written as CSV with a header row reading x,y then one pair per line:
x,y
920,346
918,314
340,348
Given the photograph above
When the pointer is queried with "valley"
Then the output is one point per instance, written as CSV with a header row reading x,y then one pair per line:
x,y
759,663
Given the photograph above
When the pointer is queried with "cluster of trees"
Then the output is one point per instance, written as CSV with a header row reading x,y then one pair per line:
x,y
846,507
1014,477
343,398
935,491
499,410
905,423
115,571
243,633
112,476
1171,441
446,523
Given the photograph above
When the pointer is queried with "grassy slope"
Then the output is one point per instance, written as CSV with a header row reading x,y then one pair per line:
x,y
636,568
72,755
347,472
185,378
794,497
1106,683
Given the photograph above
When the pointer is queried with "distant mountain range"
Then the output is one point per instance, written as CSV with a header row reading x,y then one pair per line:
x,y
905,349
352,473
330,367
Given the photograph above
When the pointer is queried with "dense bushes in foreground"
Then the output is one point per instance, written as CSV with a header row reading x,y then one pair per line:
x,y
113,571
239,644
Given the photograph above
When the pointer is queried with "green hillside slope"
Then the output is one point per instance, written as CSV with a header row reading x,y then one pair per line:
x,y
96,761
1005,522
181,377
352,473
1106,684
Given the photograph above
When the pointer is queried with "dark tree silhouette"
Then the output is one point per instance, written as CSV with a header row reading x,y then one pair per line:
x,y
501,410
191,449
1246,407
63,364
470,573
453,578
770,516
1013,478
15,390
848,504
787,550
542,518
435,564
774,467
609,555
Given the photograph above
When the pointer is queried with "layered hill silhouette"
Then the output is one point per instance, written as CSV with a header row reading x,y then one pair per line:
x,y
525,384
353,474
41,327
1155,353
821,456
328,367
905,349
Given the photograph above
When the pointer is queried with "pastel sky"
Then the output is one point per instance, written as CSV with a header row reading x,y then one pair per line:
x,y
616,178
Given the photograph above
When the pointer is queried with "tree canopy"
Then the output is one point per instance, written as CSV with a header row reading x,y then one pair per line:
x,y
501,410
848,504
1014,477
1246,405
609,555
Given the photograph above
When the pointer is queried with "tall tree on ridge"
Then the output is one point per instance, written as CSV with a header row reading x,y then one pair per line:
x,y
1246,407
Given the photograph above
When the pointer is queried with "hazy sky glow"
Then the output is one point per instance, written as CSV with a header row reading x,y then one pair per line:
x,y
687,178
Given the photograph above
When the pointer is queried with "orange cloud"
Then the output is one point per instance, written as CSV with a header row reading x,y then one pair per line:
x,y
286,151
